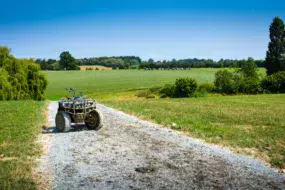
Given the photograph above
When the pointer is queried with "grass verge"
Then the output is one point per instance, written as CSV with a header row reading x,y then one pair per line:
x,y
253,125
19,128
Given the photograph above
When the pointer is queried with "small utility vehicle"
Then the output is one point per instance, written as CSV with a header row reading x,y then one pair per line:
x,y
77,110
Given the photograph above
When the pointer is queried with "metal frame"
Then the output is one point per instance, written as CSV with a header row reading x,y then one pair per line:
x,y
77,112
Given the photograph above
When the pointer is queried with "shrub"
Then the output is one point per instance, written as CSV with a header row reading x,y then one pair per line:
x,y
5,86
225,82
20,78
274,83
249,68
206,88
168,91
185,87
249,85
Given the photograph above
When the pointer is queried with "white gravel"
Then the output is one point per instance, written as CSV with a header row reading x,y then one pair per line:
x,y
128,153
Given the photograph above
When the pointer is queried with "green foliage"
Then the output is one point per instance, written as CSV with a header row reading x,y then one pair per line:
x,y
185,87
115,61
168,91
20,79
276,48
249,69
206,87
248,82
67,62
134,67
6,90
274,83
245,80
49,64
225,82
249,85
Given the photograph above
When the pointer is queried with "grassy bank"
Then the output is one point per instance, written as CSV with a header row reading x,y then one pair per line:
x,y
20,125
252,125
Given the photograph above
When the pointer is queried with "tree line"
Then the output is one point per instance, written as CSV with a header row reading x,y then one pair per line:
x,y
133,62
196,63
119,62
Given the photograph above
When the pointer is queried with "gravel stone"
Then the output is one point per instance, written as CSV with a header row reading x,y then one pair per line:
x,y
128,153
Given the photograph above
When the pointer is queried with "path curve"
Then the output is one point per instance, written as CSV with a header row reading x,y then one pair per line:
x,y
128,153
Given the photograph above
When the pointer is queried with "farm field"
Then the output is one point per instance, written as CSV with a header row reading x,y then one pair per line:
x,y
18,147
94,67
253,124
108,84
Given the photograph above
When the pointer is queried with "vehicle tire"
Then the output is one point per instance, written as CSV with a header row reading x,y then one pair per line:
x,y
94,120
62,121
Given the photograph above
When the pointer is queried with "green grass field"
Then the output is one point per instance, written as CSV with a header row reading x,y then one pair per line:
x,y
19,128
102,84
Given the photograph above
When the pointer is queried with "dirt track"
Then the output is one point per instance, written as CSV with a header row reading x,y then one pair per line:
x,y
128,153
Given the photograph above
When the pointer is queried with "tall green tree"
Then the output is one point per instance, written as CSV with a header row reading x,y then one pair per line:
x,y
276,47
67,61
249,69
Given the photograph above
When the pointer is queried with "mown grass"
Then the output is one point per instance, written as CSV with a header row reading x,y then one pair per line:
x,y
253,124
20,125
110,83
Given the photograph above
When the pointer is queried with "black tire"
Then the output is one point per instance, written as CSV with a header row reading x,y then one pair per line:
x,y
94,120
62,121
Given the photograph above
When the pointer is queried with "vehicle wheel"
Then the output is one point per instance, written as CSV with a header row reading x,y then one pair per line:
x,y
62,121
94,120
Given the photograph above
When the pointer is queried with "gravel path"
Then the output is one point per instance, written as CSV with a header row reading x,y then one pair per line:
x,y
128,153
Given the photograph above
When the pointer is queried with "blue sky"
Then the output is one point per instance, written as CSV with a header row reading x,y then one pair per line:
x,y
163,29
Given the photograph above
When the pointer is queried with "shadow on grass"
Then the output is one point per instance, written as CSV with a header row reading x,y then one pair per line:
x,y
74,128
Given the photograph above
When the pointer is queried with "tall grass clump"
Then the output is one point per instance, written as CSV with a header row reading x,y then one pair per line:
x,y
20,79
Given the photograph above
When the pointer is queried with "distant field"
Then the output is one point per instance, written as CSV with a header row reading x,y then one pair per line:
x,y
94,67
101,84
20,126
252,125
